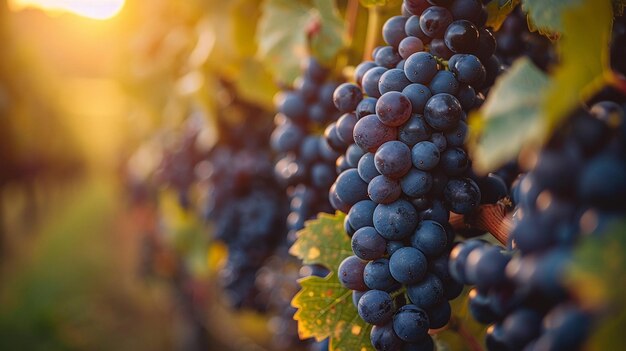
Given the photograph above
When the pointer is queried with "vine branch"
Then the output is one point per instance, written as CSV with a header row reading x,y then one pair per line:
x,y
493,218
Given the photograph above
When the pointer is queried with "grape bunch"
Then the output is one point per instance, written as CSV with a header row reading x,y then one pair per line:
x,y
515,40
575,188
245,204
178,161
405,167
307,163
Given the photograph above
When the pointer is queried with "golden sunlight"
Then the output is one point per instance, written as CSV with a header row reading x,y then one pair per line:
x,y
96,9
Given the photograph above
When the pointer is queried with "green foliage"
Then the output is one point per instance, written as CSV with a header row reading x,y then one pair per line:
x,y
325,307
598,278
284,31
497,12
323,241
510,117
546,15
525,105
329,41
584,54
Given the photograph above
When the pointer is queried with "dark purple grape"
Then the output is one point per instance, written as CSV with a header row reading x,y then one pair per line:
x,y
435,20
370,133
462,36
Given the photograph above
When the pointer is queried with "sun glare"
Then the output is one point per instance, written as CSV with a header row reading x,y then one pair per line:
x,y
96,9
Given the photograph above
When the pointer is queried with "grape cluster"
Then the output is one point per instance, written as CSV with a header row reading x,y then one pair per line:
x,y
245,204
177,167
307,162
405,167
515,40
575,188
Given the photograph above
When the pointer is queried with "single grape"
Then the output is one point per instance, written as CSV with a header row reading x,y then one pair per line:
x,y
361,213
444,82
430,238
350,187
416,183
443,112
377,276
393,108
383,190
435,20
350,273
367,244
393,159
393,30
367,168
410,45
392,80
462,36
425,155
408,265
420,67
370,81
462,195
395,221
346,97
376,307
370,133
411,323
426,293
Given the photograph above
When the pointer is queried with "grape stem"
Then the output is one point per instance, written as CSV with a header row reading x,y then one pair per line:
x,y
493,218
352,12
373,31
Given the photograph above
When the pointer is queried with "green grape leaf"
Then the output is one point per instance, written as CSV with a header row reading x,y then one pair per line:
x,y
374,3
329,40
281,37
463,333
325,309
323,241
284,30
324,306
545,15
497,12
598,278
584,53
510,117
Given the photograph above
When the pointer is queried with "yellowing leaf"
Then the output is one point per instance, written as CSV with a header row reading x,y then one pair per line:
x,y
497,11
325,309
510,117
323,241
584,54
373,3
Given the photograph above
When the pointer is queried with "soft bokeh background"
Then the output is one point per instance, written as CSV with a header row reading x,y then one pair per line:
x,y
82,84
